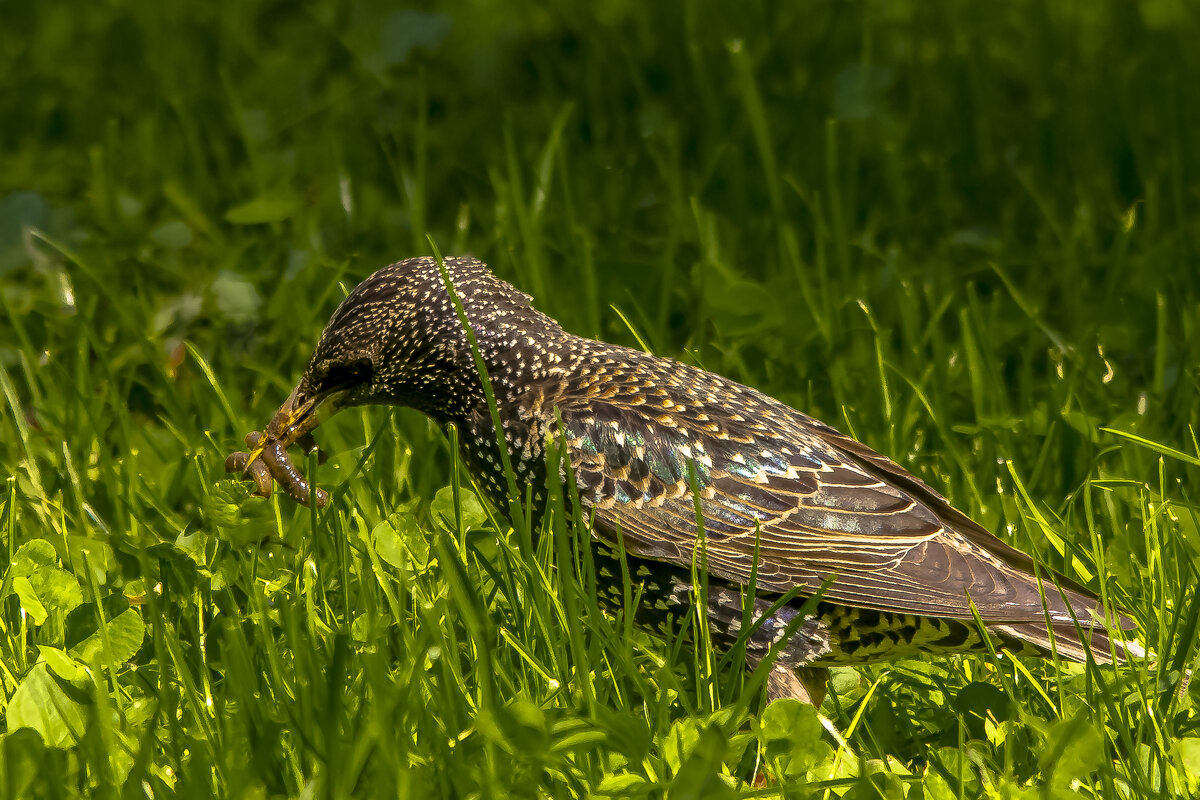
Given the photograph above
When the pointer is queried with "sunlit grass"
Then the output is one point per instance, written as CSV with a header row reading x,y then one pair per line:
x,y
963,234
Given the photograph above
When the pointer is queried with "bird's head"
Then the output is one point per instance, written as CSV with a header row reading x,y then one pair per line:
x,y
397,339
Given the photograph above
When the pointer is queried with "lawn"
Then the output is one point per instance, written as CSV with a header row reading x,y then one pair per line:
x,y
966,233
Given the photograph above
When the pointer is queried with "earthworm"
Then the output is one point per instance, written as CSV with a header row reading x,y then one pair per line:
x,y
256,471
285,473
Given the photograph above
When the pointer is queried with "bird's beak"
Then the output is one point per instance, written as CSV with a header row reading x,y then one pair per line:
x,y
297,417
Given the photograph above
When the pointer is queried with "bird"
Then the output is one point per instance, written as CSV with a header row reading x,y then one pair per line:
x,y
869,561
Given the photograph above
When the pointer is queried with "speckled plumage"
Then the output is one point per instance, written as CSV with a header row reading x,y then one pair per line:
x,y
906,565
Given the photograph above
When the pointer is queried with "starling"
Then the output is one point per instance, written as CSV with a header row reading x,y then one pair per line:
x,y
902,571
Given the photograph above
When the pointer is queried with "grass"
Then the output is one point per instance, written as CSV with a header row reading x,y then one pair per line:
x,y
965,234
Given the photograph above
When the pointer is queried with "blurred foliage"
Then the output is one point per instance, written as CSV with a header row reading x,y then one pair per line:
x,y
967,233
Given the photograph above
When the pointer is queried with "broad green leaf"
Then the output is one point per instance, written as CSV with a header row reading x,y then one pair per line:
x,y
700,775
978,702
223,503
847,684
62,664
680,741
794,736
239,518
32,556
984,698
40,704
30,603
388,545
52,587
83,621
57,589
442,509
125,634
627,784
484,544
402,543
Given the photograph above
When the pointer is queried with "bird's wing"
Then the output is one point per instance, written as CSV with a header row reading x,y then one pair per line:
x,y
819,503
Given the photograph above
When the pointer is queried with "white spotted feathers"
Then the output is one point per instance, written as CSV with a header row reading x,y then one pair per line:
x,y
644,434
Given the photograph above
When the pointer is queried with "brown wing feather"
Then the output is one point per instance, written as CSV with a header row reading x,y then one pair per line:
x,y
822,504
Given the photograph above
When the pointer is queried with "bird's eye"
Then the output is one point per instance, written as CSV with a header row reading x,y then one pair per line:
x,y
352,372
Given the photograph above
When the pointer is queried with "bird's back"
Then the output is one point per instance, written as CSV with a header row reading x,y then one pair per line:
x,y
906,567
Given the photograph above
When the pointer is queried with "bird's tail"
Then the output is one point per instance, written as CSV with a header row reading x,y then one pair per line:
x,y
1070,641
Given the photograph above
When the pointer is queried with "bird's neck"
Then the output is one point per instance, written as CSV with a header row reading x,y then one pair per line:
x,y
522,356
524,366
